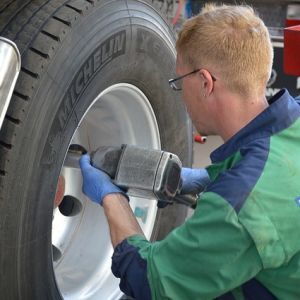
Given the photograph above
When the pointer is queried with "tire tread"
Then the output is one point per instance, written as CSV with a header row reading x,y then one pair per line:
x,y
36,33
4,5
9,10
38,28
30,73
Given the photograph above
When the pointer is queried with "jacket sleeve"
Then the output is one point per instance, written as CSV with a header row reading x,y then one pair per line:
x,y
209,255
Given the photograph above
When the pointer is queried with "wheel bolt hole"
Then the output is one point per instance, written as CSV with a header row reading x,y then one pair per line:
x,y
56,253
70,206
77,148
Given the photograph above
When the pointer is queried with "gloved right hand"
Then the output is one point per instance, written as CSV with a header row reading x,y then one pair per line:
x,y
96,183
194,181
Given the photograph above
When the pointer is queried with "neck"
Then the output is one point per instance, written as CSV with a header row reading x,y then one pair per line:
x,y
235,113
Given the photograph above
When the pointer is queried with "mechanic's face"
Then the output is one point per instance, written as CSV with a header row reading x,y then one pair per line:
x,y
192,94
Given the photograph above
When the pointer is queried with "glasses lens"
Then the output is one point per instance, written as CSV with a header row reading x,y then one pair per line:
x,y
176,85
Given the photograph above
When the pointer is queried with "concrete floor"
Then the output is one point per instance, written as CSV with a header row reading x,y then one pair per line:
x,y
201,155
202,151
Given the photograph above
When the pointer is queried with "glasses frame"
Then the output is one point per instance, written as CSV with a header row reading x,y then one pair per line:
x,y
172,82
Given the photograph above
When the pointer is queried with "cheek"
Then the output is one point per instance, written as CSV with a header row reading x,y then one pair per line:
x,y
186,99
190,105
188,96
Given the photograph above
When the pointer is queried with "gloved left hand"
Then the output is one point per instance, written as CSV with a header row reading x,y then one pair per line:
x,y
96,183
194,181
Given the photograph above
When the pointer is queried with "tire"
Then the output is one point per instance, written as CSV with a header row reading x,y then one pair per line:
x,y
79,58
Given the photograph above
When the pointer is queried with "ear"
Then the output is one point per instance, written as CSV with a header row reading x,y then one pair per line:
x,y
207,81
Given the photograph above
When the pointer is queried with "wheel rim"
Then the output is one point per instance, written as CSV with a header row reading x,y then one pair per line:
x,y
80,237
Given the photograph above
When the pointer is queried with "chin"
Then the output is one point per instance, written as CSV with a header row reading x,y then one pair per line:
x,y
205,132
202,131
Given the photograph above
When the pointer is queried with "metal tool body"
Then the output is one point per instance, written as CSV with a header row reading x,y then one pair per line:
x,y
10,65
141,172
146,173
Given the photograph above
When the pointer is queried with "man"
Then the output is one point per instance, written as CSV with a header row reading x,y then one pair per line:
x,y
242,242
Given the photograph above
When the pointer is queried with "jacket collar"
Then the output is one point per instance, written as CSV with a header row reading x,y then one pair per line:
x,y
280,114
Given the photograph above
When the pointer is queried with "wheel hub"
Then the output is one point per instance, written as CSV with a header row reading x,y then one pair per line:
x,y
80,236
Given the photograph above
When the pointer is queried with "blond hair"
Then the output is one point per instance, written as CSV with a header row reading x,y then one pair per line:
x,y
232,40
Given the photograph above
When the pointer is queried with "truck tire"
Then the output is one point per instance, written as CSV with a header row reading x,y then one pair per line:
x,y
93,73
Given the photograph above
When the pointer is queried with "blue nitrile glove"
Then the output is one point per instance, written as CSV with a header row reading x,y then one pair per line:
x,y
96,183
194,181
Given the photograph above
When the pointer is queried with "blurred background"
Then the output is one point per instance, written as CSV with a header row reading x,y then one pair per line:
x,y
276,14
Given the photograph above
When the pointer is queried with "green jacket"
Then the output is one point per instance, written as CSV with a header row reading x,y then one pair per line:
x,y
243,240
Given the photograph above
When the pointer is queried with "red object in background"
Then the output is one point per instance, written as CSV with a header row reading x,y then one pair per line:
x,y
200,139
291,50
291,22
178,12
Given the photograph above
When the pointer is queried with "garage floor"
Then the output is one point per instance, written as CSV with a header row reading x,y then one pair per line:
x,y
201,155
202,151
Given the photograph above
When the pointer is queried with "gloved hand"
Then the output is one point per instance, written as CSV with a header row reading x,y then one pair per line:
x,y
193,180
96,183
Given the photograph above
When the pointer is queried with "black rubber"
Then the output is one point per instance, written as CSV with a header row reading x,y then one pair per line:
x,y
57,40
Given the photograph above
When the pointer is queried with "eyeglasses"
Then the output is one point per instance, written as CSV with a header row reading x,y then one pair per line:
x,y
176,83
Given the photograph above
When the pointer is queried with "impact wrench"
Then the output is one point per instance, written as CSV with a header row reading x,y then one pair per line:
x,y
141,172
